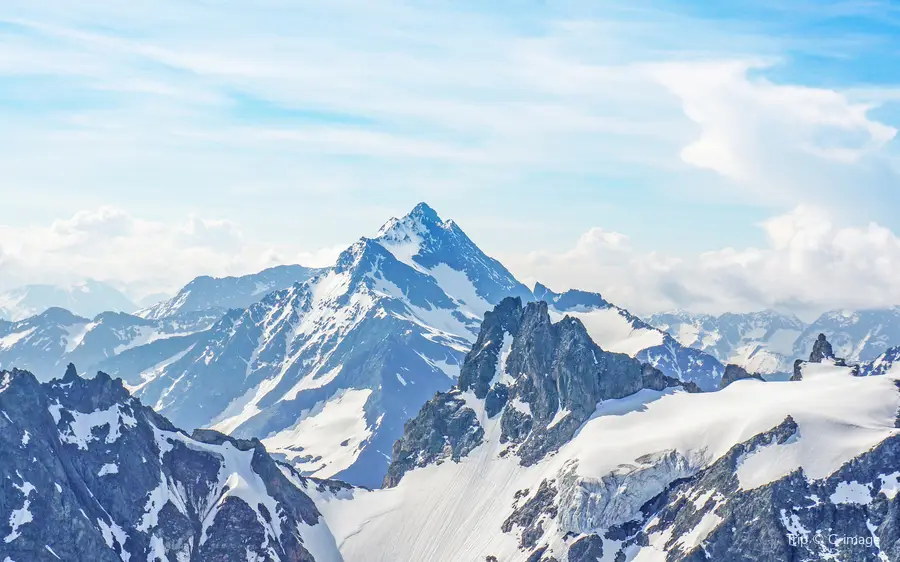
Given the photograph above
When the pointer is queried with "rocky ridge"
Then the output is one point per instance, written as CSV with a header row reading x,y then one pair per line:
x,y
656,474
543,380
92,474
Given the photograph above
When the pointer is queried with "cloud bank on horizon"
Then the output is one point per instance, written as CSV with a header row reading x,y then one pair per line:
x,y
666,155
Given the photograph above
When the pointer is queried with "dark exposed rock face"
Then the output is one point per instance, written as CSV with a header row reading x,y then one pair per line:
x,y
586,549
515,425
543,380
496,399
736,373
850,515
798,370
654,379
91,474
560,368
444,428
821,350
530,515
481,362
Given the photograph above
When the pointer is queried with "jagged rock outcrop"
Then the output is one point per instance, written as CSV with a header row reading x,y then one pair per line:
x,y
850,515
736,373
798,370
480,365
532,513
661,475
92,474
607,324
822,351
654,379
543,379
444,428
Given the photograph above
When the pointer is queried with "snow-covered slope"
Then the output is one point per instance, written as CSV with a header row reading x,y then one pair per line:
x,y
222,293
90,474
615,329
327,371
119,343
657,475
859,335
85,299
761,342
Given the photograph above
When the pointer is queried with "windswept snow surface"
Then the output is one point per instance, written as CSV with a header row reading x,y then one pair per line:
x,y
453,511
612,331
327,439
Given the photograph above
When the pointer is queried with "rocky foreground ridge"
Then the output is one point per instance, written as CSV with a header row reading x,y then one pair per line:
x,y
90,474
551,449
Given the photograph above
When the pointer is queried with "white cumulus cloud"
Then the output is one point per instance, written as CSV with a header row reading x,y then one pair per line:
x,y
779,143
144,256
809,264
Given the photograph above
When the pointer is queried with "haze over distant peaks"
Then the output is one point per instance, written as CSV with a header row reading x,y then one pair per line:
x,y
205,292
88,298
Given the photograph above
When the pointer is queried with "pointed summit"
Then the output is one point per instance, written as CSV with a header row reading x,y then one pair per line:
x,y
821,350
424,241
424,212
71,373
421,222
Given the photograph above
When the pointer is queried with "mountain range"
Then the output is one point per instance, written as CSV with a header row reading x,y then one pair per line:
x,y
858,335
767,342
519,463
761,342
207,293
547,448
327,366
415,401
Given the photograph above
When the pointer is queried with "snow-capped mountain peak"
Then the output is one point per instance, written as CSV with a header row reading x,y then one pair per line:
x,y
327,368
362,345
424,241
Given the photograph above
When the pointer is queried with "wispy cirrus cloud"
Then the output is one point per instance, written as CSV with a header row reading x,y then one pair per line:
x,y
311,123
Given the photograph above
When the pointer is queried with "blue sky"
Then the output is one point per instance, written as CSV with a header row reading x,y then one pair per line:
x,y
291,128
